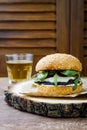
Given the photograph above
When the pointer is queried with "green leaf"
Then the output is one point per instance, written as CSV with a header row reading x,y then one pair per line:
x,y
37,81
34,76
76,83
51,72
42,75
55,79
70,72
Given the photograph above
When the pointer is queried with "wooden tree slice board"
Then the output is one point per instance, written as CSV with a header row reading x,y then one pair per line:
x,y
51,107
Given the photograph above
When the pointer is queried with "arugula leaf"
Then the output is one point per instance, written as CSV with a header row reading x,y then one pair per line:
x,y
55,79
76,83
37,81
42,75
34,76
51,73
70,72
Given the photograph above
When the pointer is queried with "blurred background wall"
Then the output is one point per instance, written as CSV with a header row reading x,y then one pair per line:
x,y
43,27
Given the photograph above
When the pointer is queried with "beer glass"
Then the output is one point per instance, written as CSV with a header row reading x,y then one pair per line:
x,y
19,67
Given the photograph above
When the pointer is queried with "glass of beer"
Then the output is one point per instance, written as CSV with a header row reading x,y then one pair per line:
x,y
19,67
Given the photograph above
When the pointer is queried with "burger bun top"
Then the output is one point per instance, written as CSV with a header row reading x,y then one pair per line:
x,y
59,61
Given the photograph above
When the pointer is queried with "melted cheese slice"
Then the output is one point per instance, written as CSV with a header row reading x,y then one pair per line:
x,y
60,79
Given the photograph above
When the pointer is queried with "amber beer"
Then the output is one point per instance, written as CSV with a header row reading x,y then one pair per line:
x,y
19,66
19,70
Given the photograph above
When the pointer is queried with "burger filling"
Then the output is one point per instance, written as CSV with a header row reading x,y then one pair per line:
x,y
59,77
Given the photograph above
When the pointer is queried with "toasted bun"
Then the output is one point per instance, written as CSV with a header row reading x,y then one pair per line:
x,y
53,91
59,61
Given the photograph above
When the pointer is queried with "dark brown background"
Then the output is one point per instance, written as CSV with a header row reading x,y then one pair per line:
x,y
43,27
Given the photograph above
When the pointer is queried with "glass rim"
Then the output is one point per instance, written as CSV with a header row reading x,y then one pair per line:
x,y
14,54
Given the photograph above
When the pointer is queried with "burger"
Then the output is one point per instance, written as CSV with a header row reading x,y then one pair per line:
x,y
58,75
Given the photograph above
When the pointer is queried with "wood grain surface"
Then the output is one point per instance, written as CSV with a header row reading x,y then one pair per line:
x,y
48,107
27,26
12,119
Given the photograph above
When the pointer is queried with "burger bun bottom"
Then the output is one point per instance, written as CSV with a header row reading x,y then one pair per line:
x,y
54,91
